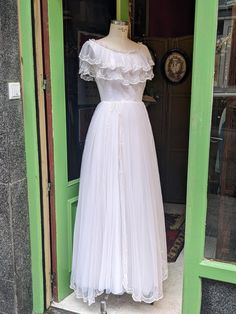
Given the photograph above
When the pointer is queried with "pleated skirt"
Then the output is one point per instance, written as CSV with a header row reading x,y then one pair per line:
x,y
119,242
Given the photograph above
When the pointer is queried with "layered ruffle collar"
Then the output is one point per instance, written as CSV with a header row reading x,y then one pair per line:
x,y
99,61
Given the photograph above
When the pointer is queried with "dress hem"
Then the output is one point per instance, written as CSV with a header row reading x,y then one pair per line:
x,y
78,295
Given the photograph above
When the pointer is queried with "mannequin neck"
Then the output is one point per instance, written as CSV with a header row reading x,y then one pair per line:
x,y
117,39
118,31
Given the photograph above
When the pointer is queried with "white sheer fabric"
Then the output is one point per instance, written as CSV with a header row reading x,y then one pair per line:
x,y
119,242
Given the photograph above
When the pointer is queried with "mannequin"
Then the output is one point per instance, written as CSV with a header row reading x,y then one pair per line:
x,y
119,242
117,39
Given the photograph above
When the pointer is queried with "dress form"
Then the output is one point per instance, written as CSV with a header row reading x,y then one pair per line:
x,y
117,39
119,242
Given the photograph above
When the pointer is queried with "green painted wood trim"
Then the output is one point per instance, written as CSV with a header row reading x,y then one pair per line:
x,y
122,10
31,149
64,190
199,141
56,38
218,271
70,203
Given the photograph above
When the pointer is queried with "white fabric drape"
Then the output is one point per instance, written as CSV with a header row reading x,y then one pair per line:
x,y
119,242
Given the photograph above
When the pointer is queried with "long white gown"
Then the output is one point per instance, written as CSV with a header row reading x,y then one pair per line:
x,y
119,242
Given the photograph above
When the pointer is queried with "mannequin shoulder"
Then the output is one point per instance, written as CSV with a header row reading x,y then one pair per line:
x,y
147,51
123,45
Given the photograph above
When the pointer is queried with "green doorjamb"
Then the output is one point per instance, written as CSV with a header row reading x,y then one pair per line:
x,y
122,10
64,191
31,149
195,265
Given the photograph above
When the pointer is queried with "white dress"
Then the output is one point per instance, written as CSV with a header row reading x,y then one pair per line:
x,y
119,242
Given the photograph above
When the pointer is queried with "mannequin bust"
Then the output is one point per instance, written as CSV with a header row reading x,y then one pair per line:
x,y
117,39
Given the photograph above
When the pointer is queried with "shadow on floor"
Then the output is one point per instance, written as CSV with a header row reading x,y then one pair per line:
x,y
53,310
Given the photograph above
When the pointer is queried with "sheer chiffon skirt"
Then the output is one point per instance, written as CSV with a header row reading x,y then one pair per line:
x,y
119,242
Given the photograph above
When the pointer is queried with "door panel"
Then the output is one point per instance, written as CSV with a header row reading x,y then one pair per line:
x,y
221,215
196,266
71,212
177,149
169,117
70,23
62,190
80,22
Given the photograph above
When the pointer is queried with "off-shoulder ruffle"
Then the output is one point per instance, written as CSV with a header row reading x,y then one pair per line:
x,y
97,61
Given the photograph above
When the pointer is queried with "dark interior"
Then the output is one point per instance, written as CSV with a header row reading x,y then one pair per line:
x,y
162,26
165,26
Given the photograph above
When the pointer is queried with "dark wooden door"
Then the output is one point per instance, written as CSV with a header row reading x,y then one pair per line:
x,y
169,117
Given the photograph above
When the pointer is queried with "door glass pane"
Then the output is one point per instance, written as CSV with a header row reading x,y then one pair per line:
x,y
82,20
221,212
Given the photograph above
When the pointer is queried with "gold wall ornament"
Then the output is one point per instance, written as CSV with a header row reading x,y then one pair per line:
x,y
175,66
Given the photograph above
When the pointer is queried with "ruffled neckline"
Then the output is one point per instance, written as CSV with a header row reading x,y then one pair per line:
x,y
139,43
98,61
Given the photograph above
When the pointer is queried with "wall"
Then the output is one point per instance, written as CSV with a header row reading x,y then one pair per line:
x,y
15,270
218,297
171,18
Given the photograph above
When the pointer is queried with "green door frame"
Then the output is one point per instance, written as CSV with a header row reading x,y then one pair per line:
x,y
195,265
31,151
30,130
31,146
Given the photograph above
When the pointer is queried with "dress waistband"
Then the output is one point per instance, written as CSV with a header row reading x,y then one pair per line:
x,y
117,105
122,100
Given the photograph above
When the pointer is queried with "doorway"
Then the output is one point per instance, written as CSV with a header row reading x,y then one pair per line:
x,y
74,101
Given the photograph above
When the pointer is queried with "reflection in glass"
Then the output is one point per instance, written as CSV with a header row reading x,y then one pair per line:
x,y
221,212
139,12
82,20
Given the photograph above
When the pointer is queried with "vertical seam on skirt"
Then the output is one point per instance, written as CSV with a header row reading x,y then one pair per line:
x,y
123,229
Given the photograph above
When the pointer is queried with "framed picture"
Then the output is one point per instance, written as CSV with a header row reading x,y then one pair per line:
x,y
175,66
